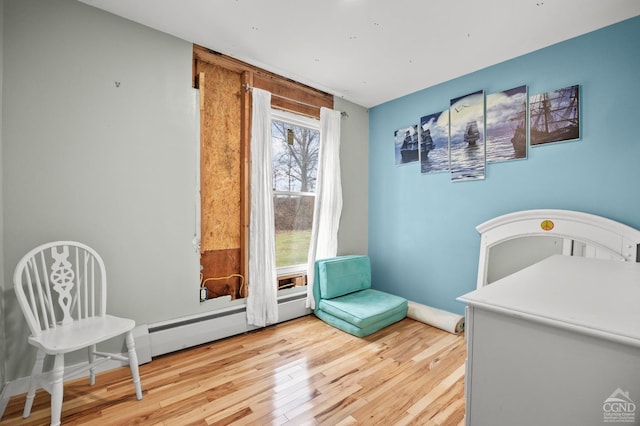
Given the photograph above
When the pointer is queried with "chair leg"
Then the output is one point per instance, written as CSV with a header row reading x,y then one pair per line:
x,y
34,381
92,370
57,389
133,364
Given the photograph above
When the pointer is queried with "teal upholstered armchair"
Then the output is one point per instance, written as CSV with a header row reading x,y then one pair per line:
x,y
344,297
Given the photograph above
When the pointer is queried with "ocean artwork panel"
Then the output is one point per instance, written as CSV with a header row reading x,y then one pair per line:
x,y
434,142
554,116
506,123
406,145
466,137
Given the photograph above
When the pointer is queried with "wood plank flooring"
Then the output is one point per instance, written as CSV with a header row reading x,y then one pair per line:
x,y
302,372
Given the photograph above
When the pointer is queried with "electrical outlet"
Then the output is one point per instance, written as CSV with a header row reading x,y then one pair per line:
x,y
203,293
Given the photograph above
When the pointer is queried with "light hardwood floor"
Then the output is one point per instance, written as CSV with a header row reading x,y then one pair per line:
x,y
302,372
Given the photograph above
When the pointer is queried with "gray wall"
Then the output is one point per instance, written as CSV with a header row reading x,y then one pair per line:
x,y
354,154
115,167
111,166
3,345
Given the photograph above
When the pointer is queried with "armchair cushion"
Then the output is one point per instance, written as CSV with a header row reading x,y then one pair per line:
x,y
343,275
365,307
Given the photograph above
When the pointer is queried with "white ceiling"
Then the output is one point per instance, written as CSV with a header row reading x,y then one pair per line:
x,y
373,51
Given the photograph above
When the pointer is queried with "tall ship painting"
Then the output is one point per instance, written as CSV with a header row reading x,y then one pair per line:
x,y
472,134
506,125
519,139
434,142
409,148
554,116
426,142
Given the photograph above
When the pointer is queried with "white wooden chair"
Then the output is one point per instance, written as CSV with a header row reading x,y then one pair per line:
x,y
62,290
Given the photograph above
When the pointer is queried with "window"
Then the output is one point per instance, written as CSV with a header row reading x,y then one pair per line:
x,y
295,141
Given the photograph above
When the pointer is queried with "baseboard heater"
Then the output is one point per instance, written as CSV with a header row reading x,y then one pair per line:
x,y
183,333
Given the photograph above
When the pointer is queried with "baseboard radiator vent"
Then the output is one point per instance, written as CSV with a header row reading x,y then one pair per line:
x,y
192,331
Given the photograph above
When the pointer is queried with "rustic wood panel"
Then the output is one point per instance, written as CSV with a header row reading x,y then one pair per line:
x,y
299,372
290,97
309,100
220,158
222,263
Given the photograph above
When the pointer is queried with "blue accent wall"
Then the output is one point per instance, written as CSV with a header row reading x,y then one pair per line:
x,y
422,238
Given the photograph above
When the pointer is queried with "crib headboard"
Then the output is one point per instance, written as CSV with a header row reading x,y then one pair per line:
x,y
516,240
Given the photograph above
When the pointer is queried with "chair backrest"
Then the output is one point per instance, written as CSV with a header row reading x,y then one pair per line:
x,y
341,275
60,282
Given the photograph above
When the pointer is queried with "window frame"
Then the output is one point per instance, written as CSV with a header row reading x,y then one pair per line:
x,y
301,121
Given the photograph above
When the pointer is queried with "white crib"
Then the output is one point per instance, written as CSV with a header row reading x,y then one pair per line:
x,y
555,338
516,240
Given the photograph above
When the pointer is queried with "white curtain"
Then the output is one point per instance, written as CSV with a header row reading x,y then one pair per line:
x,y
262,302
328,204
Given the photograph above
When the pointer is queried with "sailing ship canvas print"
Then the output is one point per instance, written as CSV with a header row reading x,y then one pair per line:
x,y
507,125
466,137
554,116
434,142
406,145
